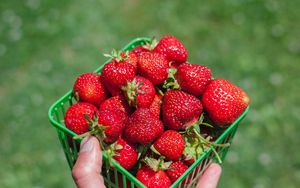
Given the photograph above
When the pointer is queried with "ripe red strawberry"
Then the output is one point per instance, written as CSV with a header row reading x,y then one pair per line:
x,y
138,50
153,179
116,103
125,153
154,67
224,101
142,127
147,47
180,110
89,87
170,144
140,92
113,90
193,78
156,106
106,125
74,117
129,57
172,49
176,169
112,123
117,73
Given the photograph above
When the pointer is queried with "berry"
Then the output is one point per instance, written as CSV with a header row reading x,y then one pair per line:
x,y
154,67
117,73
224,102
129,57
138,50
116,103
125,153
140,92
147,47
170,144
193,78
112,123
153,179
176,169
142,127
74,117
180,110
89,87
156,106
172,49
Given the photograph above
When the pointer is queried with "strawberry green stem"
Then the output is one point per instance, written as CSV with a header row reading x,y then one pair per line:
x,y
207,143
117,55
171,82
142,152
217,155
150,45
159,91
110,153
95,129
131,91
206,124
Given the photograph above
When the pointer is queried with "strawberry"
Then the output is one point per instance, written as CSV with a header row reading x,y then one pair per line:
x,y
153,179
193,78
142,127
124,56
180,109
147,47
154,67
116,103
156,106
106,126
112,123
224,101
129,57
74,117
89,87
176,169
125,153
138,50
117,73
140,92
172,49
170,144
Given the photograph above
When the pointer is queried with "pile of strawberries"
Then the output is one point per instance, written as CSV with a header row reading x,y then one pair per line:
x,y
152,111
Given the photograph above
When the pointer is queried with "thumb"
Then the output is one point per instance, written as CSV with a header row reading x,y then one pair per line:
x,y
211,176
87,169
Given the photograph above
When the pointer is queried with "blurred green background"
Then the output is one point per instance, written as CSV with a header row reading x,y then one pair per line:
x,y
45,44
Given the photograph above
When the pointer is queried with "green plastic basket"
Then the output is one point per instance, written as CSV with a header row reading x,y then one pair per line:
x,y
118,176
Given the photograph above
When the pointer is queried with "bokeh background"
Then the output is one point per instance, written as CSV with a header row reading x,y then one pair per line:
x,y
45,44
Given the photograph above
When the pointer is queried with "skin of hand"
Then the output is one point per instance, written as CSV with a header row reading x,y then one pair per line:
x,y
87,169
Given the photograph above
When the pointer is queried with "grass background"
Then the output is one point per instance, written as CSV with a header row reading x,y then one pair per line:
x,y
45,44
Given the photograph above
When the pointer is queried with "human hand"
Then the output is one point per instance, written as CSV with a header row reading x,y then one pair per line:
x,y
87,169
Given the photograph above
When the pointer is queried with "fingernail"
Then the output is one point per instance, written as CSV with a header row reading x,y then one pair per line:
x,y
86,145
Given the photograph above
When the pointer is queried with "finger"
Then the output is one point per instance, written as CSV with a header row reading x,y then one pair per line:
x,y
87,169
211,176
